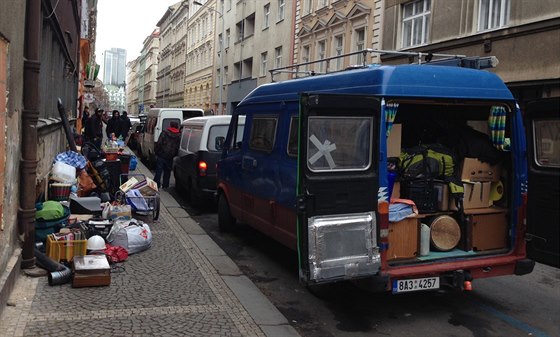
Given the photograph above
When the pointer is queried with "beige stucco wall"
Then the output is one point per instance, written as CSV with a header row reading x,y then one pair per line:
x,y
12,20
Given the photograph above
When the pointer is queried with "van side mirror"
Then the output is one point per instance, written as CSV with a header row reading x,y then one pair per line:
x,y
219,143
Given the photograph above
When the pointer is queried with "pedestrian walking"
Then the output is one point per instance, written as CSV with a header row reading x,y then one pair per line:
x,y
113,125
166,148
125,126
94,128
85,119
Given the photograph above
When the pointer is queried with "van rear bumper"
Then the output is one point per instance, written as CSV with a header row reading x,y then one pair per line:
x,y
483,267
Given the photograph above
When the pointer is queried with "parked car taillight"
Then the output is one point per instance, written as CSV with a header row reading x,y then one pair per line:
x,y
202,166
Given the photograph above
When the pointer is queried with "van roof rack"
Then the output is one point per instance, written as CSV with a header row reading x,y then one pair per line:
x,y
475,62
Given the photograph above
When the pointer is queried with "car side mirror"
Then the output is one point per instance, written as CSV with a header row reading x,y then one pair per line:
x,y
219,143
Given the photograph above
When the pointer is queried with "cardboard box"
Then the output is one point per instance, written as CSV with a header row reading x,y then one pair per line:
x,y
403,239
147,187
91,271
128,184
394,141
488,231
473,169
476,195
396,194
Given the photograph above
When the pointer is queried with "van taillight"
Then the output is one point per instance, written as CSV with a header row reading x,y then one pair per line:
x,y
202,166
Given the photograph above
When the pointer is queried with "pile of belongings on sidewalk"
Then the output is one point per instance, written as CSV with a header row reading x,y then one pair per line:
x,y
84,224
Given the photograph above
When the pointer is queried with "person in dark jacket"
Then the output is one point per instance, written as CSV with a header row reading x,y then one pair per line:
x,y
94,128
85,120
166,148
114,125
125,126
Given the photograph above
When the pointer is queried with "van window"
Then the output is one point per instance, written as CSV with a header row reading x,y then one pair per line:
x,y
216,131
293,137
337,143
185,138
263,132
167,122
547,142
194,139
237,132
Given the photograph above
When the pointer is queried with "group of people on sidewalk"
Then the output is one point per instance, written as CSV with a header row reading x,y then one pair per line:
x,y
118,126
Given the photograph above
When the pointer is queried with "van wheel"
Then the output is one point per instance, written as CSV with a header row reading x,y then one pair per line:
x,y
226,221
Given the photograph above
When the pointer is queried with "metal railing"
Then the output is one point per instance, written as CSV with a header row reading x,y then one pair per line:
x,y
421,58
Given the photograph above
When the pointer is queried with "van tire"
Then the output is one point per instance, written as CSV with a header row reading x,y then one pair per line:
x,y
226,221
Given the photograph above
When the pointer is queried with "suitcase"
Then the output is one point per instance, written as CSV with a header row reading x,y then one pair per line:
x,y
91,271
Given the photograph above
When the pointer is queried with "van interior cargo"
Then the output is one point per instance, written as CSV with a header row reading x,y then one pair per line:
x,y
482,166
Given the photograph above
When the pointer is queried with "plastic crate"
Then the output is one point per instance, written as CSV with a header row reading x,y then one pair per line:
x,y
65,250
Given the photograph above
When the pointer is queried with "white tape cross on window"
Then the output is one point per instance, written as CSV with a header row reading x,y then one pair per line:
x,y
325,150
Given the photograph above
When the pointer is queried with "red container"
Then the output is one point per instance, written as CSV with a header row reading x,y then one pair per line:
x,y
59,191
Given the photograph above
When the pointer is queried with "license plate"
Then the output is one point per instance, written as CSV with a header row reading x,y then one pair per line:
x,y
415,284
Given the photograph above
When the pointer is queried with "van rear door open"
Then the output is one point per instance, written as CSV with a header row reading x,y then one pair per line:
x,y
337,187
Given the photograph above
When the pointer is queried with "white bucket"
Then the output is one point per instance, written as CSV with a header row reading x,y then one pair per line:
x,y
424,240
63,173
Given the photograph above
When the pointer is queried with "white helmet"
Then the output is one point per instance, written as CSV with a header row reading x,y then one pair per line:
x,y
96,242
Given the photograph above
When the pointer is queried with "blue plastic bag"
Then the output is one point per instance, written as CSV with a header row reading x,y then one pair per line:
x,y
133,163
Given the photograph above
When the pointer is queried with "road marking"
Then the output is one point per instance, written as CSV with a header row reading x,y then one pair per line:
x,y
512,321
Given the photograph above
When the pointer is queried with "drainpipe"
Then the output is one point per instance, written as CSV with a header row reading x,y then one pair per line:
x,y
30,114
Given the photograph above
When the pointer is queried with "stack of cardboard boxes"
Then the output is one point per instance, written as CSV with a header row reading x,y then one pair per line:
x,y
486,224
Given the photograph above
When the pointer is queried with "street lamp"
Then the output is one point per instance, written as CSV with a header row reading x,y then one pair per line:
x,y
221,84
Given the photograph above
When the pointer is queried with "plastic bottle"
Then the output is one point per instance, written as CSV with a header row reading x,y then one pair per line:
x,y
424,240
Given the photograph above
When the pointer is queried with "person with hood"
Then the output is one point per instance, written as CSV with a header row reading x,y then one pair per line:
x,y
114,125
166,148
125,126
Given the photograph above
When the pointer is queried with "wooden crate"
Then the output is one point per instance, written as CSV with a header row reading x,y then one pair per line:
x,y
486,228
403,239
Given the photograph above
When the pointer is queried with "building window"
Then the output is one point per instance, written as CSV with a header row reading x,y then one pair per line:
x,y
305,57
493,14
220,42
321,54
263,63
249,28
239,27
281,5
360,44
278,57
266,13
228,37
416,21
308,6
338,50
322,3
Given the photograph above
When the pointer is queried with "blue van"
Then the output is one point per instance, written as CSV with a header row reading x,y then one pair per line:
x,y
312,172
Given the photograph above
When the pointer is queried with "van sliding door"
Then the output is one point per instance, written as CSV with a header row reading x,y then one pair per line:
x,y
337,187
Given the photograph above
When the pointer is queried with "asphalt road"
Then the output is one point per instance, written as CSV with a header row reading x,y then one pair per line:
x,y
505,306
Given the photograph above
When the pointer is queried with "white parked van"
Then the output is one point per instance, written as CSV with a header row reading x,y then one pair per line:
x,y
159,119
194,167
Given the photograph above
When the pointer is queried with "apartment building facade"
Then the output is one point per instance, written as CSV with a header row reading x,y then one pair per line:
x,y
171,68
258,36
201,56
330,28
522,34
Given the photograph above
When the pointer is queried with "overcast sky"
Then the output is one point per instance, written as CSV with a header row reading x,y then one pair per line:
x,y
125,24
